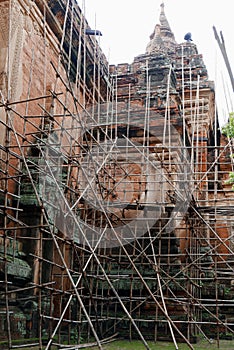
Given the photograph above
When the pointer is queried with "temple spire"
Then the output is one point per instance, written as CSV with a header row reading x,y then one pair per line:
x,y
162,39
163,20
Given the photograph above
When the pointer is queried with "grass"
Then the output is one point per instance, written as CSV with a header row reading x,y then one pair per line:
x,y
137,345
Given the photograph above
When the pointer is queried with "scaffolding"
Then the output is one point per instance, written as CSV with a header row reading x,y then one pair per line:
x,y
116,218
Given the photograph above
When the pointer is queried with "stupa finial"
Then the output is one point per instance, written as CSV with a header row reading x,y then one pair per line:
x,y
162,39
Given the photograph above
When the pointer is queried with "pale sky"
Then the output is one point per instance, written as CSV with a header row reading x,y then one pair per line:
x,y
127,24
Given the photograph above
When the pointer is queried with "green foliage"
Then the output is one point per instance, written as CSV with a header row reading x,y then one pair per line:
x,y
231,178
228,129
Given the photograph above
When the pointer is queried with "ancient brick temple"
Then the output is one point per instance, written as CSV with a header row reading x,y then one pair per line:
x,y
115,211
